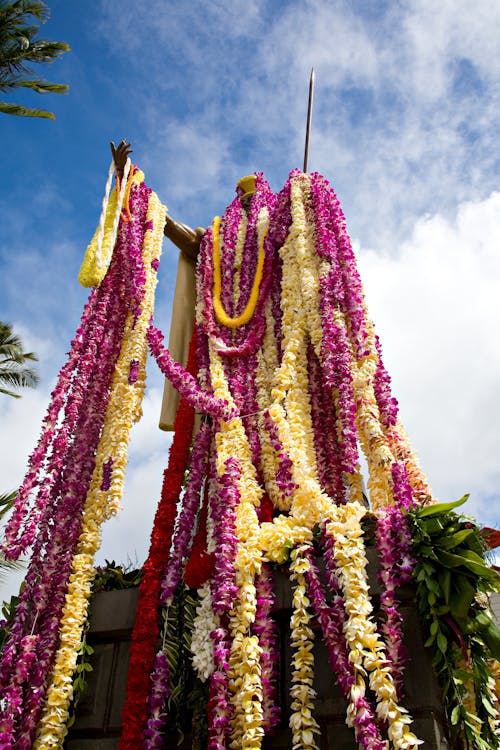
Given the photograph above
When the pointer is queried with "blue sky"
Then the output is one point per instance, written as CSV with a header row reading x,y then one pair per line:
x,y
405,127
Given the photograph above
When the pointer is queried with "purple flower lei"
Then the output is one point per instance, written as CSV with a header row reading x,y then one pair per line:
x,y
184,382
159,694
334,244
387,404
266,630
394,546
220,708
284,478
223,511
186,520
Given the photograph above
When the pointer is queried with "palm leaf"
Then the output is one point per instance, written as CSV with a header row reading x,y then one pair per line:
x,y
13,370
19,49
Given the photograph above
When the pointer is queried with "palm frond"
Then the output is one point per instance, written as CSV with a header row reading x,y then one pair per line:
x,y
14,373
18,378
18,49
44,87
6,502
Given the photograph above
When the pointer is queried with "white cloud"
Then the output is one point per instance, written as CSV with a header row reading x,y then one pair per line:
x,y
21,420
439,33
436,306
398,125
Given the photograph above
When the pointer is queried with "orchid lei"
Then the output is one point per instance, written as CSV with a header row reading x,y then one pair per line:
x,y
287,369
75,479
291,373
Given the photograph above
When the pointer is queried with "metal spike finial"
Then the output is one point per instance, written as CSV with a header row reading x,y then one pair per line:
x,y
309,119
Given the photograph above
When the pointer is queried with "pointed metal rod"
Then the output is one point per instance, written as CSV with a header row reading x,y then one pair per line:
x,y
309,119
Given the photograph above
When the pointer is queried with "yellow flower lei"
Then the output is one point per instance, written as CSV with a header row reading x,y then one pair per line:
x,y
98,254
290,406
249,310
367,653
302,722
122,411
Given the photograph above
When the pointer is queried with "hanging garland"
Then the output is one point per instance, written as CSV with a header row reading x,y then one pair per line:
x,y
75,479
287,389
291,380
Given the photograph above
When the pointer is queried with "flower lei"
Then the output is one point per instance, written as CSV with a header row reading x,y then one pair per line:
x,y
290,379
301,378
146,630
98,254
75,478
245,317
104,494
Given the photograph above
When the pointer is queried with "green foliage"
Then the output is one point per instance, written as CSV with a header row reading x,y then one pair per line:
x,y
6,502
83,668
453,581
6,505
8,613
113,577
187,708
19,49
14,372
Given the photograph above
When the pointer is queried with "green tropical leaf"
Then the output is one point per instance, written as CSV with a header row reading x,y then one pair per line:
x,y
452,560
461,597
453,540
19,49
9,108
442,643
445,581
440,508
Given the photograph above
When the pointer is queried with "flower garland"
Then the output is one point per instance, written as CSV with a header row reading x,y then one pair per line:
x,y
60,510
290,380
366,649
302,722
324,337
146,631
101,503
294,385
75,477
245,317
98,254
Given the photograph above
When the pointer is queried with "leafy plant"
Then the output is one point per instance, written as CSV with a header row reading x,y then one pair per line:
x,y
453,582
83,667
15,371
187,707
8,612
19,50
113,577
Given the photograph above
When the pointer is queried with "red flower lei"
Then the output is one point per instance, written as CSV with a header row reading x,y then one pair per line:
x,y
146,631
199,567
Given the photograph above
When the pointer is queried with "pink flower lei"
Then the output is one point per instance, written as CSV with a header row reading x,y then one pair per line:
x,y
248,338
